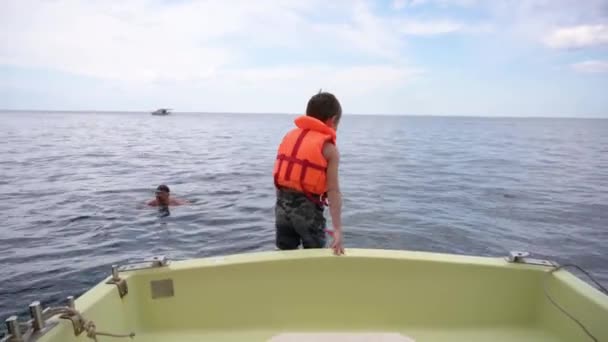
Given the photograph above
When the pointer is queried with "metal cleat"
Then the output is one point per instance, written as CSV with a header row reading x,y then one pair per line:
x,y
160,261
154,262
121,284
71,302
14,330
77,323
37,318
518,257
157,261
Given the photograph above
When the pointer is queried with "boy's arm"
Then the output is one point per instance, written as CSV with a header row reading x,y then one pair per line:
x,y
330,152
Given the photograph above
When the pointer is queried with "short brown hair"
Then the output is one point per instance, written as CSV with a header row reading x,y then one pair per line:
x,y
162,188
324,106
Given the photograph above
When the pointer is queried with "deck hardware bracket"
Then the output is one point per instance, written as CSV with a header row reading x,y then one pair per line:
x,y
13,330
159,261
77,323
71,302
36,313
154,262
120,283
40,323
31,330
518,257
76,320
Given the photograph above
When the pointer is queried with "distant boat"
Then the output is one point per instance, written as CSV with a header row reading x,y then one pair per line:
x,y
162,111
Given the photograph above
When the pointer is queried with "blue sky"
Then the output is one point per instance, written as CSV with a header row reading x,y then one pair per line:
x,y
419,57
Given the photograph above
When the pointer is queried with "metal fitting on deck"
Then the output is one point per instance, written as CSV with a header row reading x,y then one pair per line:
x,y
71,302
14,331
115,276
121,284
36,313
154,262
159,261
518,257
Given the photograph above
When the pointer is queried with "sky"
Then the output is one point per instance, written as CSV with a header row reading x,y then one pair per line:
x,y
414,57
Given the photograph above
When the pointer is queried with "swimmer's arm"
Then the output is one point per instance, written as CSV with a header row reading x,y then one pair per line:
x,y
330,152
179,201
152,203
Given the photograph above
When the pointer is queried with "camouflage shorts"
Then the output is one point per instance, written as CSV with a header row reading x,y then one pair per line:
x,y
298,220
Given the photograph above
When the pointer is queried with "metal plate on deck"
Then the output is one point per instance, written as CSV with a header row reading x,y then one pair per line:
x,y
532,261
161,288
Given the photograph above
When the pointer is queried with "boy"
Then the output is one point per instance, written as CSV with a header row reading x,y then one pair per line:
x,y
162,198
306,175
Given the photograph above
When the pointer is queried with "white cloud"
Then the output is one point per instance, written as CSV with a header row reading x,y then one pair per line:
x,y
577,36
128,41
147,41
401,4
229,52
528,23
279,89
187,51
366,32
349,81
144,41
591,66
428,28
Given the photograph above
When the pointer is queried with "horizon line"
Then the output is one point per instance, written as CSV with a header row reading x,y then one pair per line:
x,y
5,110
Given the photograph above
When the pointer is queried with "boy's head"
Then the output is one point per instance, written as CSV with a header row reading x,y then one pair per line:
x,y
162,194
325,107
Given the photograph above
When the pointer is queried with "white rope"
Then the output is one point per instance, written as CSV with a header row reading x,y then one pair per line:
x,y
89,326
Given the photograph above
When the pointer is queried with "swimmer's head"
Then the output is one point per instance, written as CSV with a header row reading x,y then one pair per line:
x,y
162,195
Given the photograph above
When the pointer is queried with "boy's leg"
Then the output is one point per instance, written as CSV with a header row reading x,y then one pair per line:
x,y
285,236
309,222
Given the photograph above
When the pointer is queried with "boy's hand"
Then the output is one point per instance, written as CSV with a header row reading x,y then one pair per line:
x,y
337,245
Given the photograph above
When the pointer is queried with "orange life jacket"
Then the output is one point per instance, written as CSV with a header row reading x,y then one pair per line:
x,y
300,164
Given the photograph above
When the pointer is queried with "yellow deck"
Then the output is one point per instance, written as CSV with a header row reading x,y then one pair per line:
x,y
507,334
424,296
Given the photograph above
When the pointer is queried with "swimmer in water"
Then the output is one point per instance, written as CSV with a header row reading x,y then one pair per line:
x,y
163,198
